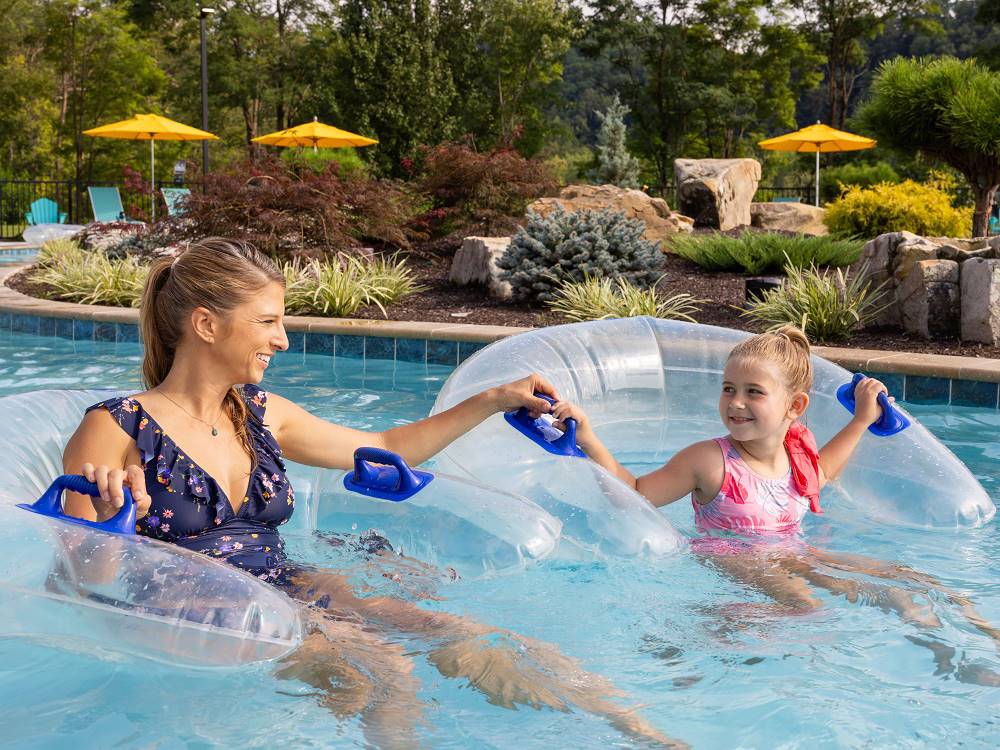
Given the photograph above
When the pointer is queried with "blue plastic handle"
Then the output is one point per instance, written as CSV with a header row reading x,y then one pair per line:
x,y
50,504
532,429
390,479
891,421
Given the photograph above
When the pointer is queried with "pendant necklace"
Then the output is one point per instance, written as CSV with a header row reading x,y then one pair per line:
x,y
215,430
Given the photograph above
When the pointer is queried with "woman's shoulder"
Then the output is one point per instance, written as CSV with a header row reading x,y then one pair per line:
x,y
124,409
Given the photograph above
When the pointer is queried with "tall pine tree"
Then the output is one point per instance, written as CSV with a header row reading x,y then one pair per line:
x,y
615,164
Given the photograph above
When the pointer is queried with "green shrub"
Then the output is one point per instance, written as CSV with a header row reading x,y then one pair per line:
x,y
91,278
757,252
570,247
340,288
835,180
907,206
827,305
597,298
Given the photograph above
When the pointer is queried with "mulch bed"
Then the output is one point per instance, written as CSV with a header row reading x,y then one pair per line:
x,y
442,302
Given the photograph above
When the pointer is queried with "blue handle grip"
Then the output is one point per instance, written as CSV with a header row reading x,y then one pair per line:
x,y
891,421
50,504
389,479
533,430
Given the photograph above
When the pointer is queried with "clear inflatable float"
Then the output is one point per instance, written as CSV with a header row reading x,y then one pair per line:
x,y
650,388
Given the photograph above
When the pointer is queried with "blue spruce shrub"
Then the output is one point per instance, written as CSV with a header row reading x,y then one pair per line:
x,y
565,247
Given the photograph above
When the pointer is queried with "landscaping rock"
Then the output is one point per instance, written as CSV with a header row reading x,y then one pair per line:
x,y
980,291
790,217
984,253
928,296
476,263
878,258
716,193
660,221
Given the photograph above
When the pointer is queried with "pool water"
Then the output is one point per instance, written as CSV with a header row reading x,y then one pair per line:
x,y
706,659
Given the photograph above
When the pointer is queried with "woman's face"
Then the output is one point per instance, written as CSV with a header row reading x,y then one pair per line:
x,y
253,332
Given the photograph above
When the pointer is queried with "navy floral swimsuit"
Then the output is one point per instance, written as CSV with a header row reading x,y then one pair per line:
x,y
190,509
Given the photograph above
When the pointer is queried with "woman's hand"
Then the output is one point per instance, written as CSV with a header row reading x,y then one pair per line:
x,y
111,483
522,393
866,407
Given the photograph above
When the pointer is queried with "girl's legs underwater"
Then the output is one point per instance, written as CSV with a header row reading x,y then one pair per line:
x,y
786,578
509,669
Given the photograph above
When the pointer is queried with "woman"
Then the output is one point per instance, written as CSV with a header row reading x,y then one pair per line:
x,y
211,321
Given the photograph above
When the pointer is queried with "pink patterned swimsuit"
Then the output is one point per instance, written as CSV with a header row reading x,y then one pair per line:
x,y
748,504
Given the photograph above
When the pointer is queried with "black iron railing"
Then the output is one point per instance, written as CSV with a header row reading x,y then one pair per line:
x,y
764,194
16,197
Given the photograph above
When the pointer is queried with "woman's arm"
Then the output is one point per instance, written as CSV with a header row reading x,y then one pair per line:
x,y
107,456
310,440
835,454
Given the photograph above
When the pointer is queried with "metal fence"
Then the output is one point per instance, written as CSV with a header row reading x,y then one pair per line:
x,y
16,197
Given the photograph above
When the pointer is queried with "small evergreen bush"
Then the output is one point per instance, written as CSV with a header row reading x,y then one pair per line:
x,y
597,298
614,163
827,305
564,246
907,206
757,252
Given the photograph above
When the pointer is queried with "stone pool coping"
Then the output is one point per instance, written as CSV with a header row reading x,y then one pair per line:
x,y
931,377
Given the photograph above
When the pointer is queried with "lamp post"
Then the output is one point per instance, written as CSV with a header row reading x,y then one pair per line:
x,y
202,15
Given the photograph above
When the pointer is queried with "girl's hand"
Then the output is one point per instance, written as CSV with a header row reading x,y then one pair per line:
x,y
110,482
522,393
866,408
564,410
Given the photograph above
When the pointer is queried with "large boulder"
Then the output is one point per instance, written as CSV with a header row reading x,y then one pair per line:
x,y
660,221
981,300
716,193
476,263
789,217
929,301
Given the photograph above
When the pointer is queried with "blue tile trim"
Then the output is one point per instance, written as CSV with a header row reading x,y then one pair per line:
x,y
894,381
24,323
442,353
64,328
46,326
924,390
973,393
467,348
411,350
380,347
296,342
128,332
83,330
4,321
321,343
104,331
351,346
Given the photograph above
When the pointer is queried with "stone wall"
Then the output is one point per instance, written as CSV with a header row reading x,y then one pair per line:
x,y
937,287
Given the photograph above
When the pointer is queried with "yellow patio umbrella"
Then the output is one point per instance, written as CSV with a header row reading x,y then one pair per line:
x,y
818,138
151,128
315,134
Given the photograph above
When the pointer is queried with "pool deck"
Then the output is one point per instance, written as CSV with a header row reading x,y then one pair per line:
x,y
868,360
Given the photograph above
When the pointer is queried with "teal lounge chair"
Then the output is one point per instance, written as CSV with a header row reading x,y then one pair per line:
x,y
787,199
107,205
174,198
45,211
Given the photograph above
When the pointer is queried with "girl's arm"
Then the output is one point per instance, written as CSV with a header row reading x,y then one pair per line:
x,y
679,477
835,454
310,440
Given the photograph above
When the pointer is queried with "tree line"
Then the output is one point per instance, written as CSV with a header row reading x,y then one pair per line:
x,y
700,78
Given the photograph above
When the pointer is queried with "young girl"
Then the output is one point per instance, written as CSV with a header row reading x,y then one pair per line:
x,y
751,488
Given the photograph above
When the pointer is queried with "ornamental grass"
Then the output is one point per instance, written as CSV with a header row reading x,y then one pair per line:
x,y
599,298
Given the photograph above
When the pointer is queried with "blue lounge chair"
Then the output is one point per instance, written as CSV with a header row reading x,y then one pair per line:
x,y
787,199
45,211
175,198
994,225
107,205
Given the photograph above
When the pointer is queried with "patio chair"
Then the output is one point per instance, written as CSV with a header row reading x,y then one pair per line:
x,y
994,225
107,205
175,198
45,211
787,199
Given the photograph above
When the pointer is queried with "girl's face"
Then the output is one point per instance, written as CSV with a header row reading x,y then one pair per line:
x,y
253,332
755,403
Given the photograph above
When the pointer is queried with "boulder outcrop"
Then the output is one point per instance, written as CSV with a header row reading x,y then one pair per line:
x,y
716,193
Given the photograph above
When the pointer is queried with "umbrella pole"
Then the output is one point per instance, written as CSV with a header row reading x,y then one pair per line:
x,y
817,176
152,178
